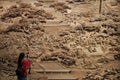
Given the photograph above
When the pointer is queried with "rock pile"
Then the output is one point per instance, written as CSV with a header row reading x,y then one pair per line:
x,y
26,26
27,11
86,35
60,6
39,3
112,74
117,57
7,69
25,20
60,57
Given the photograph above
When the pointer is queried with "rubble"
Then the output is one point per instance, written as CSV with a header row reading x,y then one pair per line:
x,y
25,28
60,6
118,1
111,14
98,19
116,19
87,64
38,4
112,74
4,42
70,1
63,34
62,58
90,28
79,27
7,68
40,1
79,0
25,10
68,62
117,57
1,7
103,60
88,35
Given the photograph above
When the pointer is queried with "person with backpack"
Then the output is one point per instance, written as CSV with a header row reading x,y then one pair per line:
x,y
23,65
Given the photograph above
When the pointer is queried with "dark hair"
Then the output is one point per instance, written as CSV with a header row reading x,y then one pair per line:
x,y
21,57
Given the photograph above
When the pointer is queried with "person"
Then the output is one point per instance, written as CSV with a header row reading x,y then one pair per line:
x,y
24,63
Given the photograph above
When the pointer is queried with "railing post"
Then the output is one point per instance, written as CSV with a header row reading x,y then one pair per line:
x,y
100,7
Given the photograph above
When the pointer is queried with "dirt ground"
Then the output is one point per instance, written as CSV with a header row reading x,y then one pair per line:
x,y
70,32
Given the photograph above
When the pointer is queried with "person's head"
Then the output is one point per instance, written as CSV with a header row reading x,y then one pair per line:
x,y
21,57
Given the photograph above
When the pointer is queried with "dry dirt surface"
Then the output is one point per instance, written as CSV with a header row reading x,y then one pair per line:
x,y
70,32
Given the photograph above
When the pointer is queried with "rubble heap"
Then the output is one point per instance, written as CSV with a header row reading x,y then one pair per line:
x,y
27,11
60,6
112,74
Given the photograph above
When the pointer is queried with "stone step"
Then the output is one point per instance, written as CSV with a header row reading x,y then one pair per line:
x,y
52,21
56,25
61,77
53,77
52,71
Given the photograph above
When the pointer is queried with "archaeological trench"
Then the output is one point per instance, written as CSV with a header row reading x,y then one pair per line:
x,y
66,39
